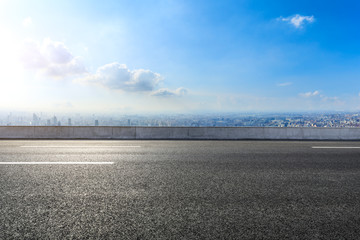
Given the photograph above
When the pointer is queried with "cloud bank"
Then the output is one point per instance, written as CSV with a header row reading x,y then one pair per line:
x,y
52,58
297,20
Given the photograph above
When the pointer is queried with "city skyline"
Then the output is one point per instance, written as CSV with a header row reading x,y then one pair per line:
x,y
179,56
309,119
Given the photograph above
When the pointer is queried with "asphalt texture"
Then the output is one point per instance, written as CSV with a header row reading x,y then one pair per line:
x,y
180,190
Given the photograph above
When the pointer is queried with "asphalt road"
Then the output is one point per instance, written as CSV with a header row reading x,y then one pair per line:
x,y
179,190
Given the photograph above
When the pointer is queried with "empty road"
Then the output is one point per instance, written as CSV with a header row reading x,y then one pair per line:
x,y
179,190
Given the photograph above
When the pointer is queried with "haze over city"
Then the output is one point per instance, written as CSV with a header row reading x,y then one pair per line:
x,y
179,56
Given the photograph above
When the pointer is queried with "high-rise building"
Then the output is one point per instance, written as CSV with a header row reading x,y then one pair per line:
x,y
36,120
55,122
69,122
9,119
96,122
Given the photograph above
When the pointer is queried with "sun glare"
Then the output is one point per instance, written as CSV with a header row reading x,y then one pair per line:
x,y
11,72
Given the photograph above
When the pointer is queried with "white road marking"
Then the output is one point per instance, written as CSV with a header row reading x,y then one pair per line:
x,y
335,147
54,146
54,163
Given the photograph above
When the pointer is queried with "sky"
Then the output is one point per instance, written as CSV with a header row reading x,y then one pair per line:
x,y
179,56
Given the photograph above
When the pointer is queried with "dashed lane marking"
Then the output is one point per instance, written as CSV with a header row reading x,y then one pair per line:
x,y
329,147
54,146
56,163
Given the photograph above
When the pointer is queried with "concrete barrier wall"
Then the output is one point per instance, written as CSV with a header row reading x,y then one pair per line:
x,y
222,133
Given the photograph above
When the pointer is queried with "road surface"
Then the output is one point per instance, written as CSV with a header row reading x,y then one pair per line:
x,y
179,190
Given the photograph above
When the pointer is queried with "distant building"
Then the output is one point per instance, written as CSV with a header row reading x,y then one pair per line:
x,y
129,122
69,122
55,122
59,123
96,122
36,120
48,122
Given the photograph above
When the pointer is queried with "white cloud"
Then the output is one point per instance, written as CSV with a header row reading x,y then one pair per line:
x,y
321,100
309,94
51,58
329,99
56,52
73,67
284,84
32,56
297,20
164,92
27,22
119,76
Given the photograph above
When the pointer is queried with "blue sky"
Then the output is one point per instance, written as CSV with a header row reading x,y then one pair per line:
x,y
179,56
